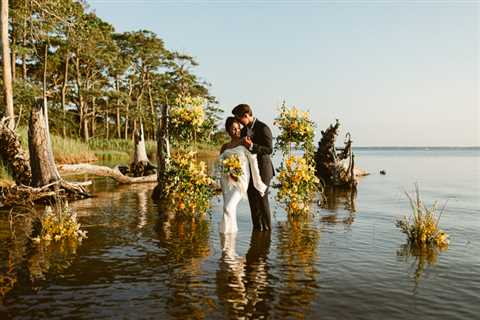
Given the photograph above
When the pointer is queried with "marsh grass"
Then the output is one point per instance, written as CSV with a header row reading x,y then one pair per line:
x,y
65,150
112,148
422,226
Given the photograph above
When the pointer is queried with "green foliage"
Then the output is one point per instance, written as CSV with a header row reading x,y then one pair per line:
x,y
99,83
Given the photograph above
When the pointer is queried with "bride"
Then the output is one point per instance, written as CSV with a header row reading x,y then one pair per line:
x,y
234,188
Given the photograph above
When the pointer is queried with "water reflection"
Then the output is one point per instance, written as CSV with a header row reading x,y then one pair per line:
x,y
243,282
298,242
339,198
185,246
420,257
31,262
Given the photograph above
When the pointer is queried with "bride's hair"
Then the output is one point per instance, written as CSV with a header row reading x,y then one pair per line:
x,y
229,122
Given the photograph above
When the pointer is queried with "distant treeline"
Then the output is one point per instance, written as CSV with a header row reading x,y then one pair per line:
x,y
99,83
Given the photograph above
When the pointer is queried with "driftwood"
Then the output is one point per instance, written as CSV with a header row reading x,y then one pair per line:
x,y
25,195
103,171
336,167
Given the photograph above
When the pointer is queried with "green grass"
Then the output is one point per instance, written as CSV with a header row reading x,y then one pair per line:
x,y
65,150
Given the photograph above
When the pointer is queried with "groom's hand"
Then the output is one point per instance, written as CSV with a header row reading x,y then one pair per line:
x,y
248,143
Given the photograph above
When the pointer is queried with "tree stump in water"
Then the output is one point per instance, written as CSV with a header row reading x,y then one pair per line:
x,y
42,162
140,165
163,153
44,171
335,169
15,157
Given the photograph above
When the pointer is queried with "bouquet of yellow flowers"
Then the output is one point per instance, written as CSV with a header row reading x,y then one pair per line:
x,y
296,129
188,187
298,184
187,116
231,165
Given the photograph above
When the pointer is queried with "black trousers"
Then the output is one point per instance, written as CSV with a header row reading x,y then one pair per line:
x,y
259,208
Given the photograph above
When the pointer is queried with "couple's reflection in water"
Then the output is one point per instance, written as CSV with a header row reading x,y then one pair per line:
x,y
276,278
261,286
243,282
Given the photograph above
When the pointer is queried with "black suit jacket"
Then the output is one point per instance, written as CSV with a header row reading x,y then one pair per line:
x,y
263,148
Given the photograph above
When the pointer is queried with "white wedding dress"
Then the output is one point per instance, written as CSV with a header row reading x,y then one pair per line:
x,y
234,191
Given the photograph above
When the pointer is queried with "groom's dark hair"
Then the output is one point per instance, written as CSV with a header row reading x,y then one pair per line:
x,y
241,109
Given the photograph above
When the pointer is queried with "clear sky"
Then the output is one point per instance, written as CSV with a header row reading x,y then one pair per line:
x,y
396,73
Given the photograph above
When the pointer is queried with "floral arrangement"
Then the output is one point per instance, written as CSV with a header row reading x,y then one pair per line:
x,y
422,227
297,180
59,223
188,187
187,117
231,165
298,185
296,130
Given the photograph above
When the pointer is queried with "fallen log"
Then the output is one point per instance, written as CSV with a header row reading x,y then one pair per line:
x,y
103,171
24,195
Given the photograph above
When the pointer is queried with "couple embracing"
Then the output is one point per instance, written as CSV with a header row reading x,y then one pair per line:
x,y
251,142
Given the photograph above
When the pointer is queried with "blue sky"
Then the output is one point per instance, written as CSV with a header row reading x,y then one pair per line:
x,y
401,73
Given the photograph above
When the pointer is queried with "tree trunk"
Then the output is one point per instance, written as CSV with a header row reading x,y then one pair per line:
x,y
64,94
130,90
7,67
24,56
134,129
94,116
163,153
43,166
152,110
14,62
107,127
140,165
45,102
86,136
83,128
119,126
12,153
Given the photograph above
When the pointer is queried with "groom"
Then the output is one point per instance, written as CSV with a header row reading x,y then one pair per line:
x,y
257,137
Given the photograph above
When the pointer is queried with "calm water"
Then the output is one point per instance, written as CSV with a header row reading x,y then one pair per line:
x,y
345,263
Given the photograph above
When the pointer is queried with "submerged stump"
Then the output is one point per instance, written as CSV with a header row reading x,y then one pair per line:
x,y
335,167
140,165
